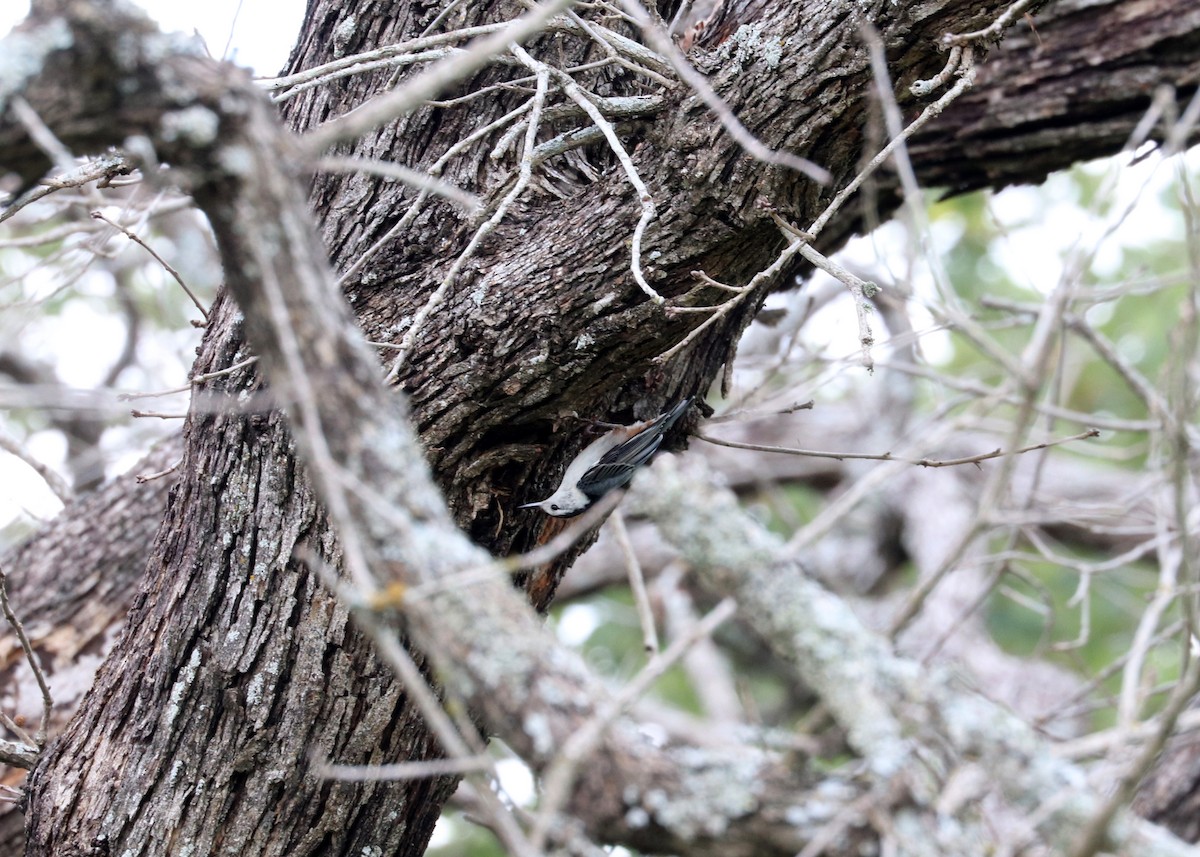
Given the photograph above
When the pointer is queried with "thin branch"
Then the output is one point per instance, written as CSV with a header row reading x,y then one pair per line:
x,y
468,202
19,755
52,479
385,108
195,380
680,18
102,168
16,728
974,388
605,38
583,742
406,770
166,266
966,80
763,277
637,582
665,46
143,478
572,91
635,258
415,208
525,174
228,370
441,16
133,323
1095,833
1110,741
403,53
31,658
160,415
887,456
922,88
994,30
860,290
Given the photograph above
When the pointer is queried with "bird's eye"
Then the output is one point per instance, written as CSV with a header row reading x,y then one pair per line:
x,y
554,507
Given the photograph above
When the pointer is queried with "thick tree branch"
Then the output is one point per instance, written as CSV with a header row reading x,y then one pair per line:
x,y
1072,87
894,712
488,381
394,525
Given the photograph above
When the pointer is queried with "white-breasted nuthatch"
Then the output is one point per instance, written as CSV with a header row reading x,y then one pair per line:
x,y
607,463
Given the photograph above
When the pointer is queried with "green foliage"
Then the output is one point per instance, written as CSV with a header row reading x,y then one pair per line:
x,y
1037,612
465,839
1128,256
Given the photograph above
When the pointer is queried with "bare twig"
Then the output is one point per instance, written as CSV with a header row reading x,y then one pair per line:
x,y
740,293
572,91
887,456
860,290
635,259
53,480
662,43
965,81
993,31
921,88
405,53
196,379
405,770
104,167
156,415
485,229
415,209
469,202
1093,836
166,267
384,108
31,658
143,478
561,772
637,582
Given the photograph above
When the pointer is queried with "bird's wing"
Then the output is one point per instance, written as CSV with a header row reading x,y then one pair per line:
x,y
635,451
616,467
602,478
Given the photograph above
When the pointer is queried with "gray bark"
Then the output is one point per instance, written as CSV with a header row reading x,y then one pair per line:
x,y
236,663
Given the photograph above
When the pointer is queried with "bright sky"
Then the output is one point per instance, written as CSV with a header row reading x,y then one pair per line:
x,y
254,33
258,33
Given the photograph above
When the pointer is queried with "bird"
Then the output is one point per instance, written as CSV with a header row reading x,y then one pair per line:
x,y
607,463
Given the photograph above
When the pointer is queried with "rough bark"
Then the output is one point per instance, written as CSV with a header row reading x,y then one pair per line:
x,y
236,663
1070,88
1170,796
72,585
534,290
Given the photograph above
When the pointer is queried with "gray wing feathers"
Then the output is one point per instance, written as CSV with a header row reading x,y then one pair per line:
x,y
605,477
616,467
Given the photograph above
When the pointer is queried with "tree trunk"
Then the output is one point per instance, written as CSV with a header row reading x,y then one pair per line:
x,y
237,667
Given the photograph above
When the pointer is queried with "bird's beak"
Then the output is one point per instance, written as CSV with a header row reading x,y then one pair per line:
x,y
530,505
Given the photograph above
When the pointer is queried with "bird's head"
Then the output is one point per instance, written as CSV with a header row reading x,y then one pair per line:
x,y
563,503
